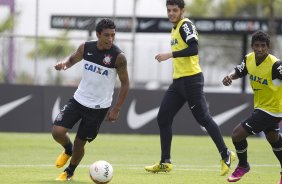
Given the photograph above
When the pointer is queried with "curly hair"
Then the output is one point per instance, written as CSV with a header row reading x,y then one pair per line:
x,y
261,36
179,3
105,23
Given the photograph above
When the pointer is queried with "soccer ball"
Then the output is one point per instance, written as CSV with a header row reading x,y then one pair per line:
x,y
101,172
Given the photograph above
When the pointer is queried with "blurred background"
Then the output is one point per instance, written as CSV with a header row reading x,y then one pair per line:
x,y
35,34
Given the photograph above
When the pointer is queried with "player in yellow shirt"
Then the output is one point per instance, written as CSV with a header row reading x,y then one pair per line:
x,y
265,74
186,88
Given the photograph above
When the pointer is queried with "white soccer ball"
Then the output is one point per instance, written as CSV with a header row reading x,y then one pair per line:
x,y
101,172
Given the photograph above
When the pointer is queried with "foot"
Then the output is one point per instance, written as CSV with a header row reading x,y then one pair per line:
x,y
226,163
62,159
280,179
238,173
159,167
64,177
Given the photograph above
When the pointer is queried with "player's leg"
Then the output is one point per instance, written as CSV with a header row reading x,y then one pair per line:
x,y
275,140
170,105
65,120
203,117
61,136
197,102
239,140
87,131
258,121
77,155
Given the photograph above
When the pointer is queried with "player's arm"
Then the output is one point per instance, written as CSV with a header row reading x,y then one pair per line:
x,y
277,73
188,33
121,66
239,71
71,60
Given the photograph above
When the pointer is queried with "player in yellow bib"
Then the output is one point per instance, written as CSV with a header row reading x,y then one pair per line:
x,y
265,74
186,88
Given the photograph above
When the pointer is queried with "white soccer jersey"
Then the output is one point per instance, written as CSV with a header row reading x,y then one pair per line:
x,y
96,87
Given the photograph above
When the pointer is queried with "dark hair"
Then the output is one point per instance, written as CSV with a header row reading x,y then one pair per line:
x,y
260,36
105,23
179,3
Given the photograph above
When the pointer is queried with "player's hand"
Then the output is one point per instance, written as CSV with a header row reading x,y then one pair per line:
x,y
61,65
163,57
112,115
227,81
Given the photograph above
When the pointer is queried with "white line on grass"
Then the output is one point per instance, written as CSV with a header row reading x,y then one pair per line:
x,y
138,166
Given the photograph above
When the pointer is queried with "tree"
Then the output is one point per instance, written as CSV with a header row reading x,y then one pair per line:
x,y
57,48
233,8
7,24
227,48
200,8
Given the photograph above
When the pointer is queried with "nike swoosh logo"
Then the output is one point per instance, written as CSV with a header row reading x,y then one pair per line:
x,y
83,23
145,25
56,108
135,120
8,107
225,116
192,107
229,160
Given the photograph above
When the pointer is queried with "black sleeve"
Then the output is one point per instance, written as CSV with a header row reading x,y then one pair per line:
x,y
277,70
188,32
189,51
189,35
241,69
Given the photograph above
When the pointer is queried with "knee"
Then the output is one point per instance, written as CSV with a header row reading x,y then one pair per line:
x,y
272,137
163,119
238,134
57,133
235,136
204,120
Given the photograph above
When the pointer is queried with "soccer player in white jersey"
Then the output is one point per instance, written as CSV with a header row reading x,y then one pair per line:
x,y
91,103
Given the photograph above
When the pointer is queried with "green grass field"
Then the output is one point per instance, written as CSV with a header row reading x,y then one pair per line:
x,y
29,158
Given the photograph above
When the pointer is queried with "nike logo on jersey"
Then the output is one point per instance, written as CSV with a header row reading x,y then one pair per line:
x,y
257,89
8,107
89,54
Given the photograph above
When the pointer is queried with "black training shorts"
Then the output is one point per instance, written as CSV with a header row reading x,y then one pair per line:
x,y
90,119
261,121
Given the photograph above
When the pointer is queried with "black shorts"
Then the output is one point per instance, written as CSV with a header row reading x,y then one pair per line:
x,y
90,119
261,121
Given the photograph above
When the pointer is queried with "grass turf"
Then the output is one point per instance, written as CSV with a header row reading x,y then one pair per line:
x,y
28,158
